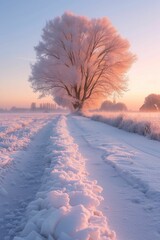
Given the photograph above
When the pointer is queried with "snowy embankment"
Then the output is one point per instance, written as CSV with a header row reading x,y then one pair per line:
x,y
16,132
146,124
66,207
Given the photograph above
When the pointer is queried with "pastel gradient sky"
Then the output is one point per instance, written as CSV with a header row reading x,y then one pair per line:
x,y
21,24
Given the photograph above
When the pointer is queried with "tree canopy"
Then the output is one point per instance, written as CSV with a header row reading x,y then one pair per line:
x,y
80,61
151,103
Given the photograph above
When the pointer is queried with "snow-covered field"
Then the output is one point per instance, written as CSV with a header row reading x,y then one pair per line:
x,y
146,124
16,132
77,179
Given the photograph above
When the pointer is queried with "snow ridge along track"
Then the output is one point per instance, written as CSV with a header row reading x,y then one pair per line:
x,y
66,206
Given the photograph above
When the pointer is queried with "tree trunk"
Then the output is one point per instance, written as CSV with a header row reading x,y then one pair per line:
x,y
78,107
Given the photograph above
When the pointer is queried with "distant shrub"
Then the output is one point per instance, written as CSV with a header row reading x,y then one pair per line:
x,y
113,107
151,103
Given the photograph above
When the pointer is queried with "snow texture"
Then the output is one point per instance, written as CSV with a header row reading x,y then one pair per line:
x,y
127,167
16,132
66,206
51,191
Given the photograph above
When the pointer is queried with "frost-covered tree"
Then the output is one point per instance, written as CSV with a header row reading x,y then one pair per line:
x,y
80,61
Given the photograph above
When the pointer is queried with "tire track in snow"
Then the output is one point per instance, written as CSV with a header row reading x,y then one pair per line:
x,y
131,213
66,205
22,183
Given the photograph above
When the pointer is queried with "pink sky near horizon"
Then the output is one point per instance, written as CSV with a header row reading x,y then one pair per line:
x,y
138,22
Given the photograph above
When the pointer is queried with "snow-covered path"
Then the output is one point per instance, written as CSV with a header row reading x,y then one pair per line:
x,y
66,205
50,191
127,167
21,184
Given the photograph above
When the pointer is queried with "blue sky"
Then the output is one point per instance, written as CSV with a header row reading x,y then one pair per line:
x,y
21,24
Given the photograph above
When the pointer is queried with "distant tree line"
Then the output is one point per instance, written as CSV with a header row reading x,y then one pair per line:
x,y
46,107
